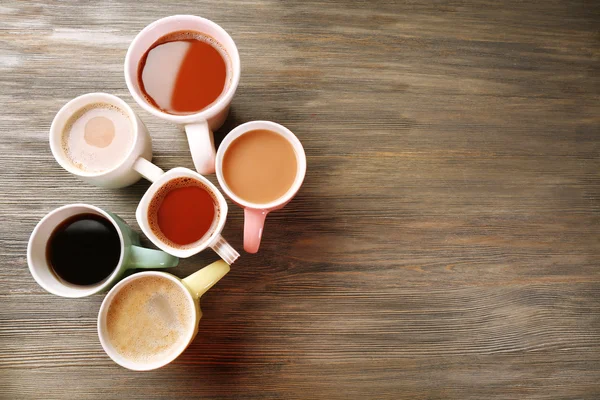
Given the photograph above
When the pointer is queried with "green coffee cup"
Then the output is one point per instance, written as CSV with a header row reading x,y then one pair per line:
x,y
132,255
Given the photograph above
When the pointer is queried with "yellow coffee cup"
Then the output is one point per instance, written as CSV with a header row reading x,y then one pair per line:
x,y
149,318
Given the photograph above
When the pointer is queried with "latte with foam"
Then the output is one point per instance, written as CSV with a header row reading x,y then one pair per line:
x,y
97,138
149,319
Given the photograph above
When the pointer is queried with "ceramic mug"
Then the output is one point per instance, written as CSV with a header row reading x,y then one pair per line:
x,y
194,286
120,175
254,213
212,238
132,255
199,126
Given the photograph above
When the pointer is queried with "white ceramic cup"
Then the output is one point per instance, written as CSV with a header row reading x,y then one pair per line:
x,y
122,174
193,287
212,238
132,254
255,213
199,127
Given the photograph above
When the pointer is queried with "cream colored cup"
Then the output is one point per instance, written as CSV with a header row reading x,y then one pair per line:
x,y
194,286
199,127
122,174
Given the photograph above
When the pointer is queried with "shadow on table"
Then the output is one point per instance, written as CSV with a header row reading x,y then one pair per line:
x,y
250,321
233,120
221,354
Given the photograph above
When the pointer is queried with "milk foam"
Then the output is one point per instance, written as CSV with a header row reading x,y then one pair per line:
x,y
102,148
148,319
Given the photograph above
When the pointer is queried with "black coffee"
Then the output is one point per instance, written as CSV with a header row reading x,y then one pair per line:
x,y
84,249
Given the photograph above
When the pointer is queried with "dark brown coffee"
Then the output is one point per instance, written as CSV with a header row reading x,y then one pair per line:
x,y
84,249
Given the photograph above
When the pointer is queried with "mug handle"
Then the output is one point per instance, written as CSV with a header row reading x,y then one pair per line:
x,y
199,282
144,258
254,222
202,146
147,169
224,250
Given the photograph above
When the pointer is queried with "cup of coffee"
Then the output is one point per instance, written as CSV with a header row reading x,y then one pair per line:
x,y
185,69
148,319
183,213
98,138
260,166
79,249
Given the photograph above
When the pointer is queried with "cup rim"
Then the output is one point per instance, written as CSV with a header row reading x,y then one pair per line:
x,y
101,321
78,103
274,127
84,290
141,212
206,113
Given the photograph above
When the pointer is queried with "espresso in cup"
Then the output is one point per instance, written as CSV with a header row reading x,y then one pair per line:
x,y
97,137
149,319
184,72
182,212
78,250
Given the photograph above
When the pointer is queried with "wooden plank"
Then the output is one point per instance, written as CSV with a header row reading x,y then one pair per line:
x,y
445,244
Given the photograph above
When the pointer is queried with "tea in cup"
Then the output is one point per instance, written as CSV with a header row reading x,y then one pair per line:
x,y
183,213
260,166
185,69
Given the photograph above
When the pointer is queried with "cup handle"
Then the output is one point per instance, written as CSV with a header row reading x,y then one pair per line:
x,y
199,282
224,250
202,146
254,222
144,258
147,169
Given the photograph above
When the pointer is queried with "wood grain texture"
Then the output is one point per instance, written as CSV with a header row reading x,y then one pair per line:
x,y
445,244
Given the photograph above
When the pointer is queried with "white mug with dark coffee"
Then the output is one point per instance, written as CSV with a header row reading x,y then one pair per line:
x,y
185,69
79,249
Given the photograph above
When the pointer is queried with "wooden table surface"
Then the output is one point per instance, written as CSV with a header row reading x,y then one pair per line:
x,y
446,241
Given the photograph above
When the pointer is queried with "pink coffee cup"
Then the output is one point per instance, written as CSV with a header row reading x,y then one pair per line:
x,y
254,213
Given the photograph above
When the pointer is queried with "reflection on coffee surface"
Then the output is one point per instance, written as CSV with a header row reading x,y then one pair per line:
x,y
183,72
149,318
97,137
84,249
260,166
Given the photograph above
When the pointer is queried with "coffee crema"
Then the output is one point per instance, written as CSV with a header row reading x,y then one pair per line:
x,y
149,318
97,137
260,166
184,72
182,211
